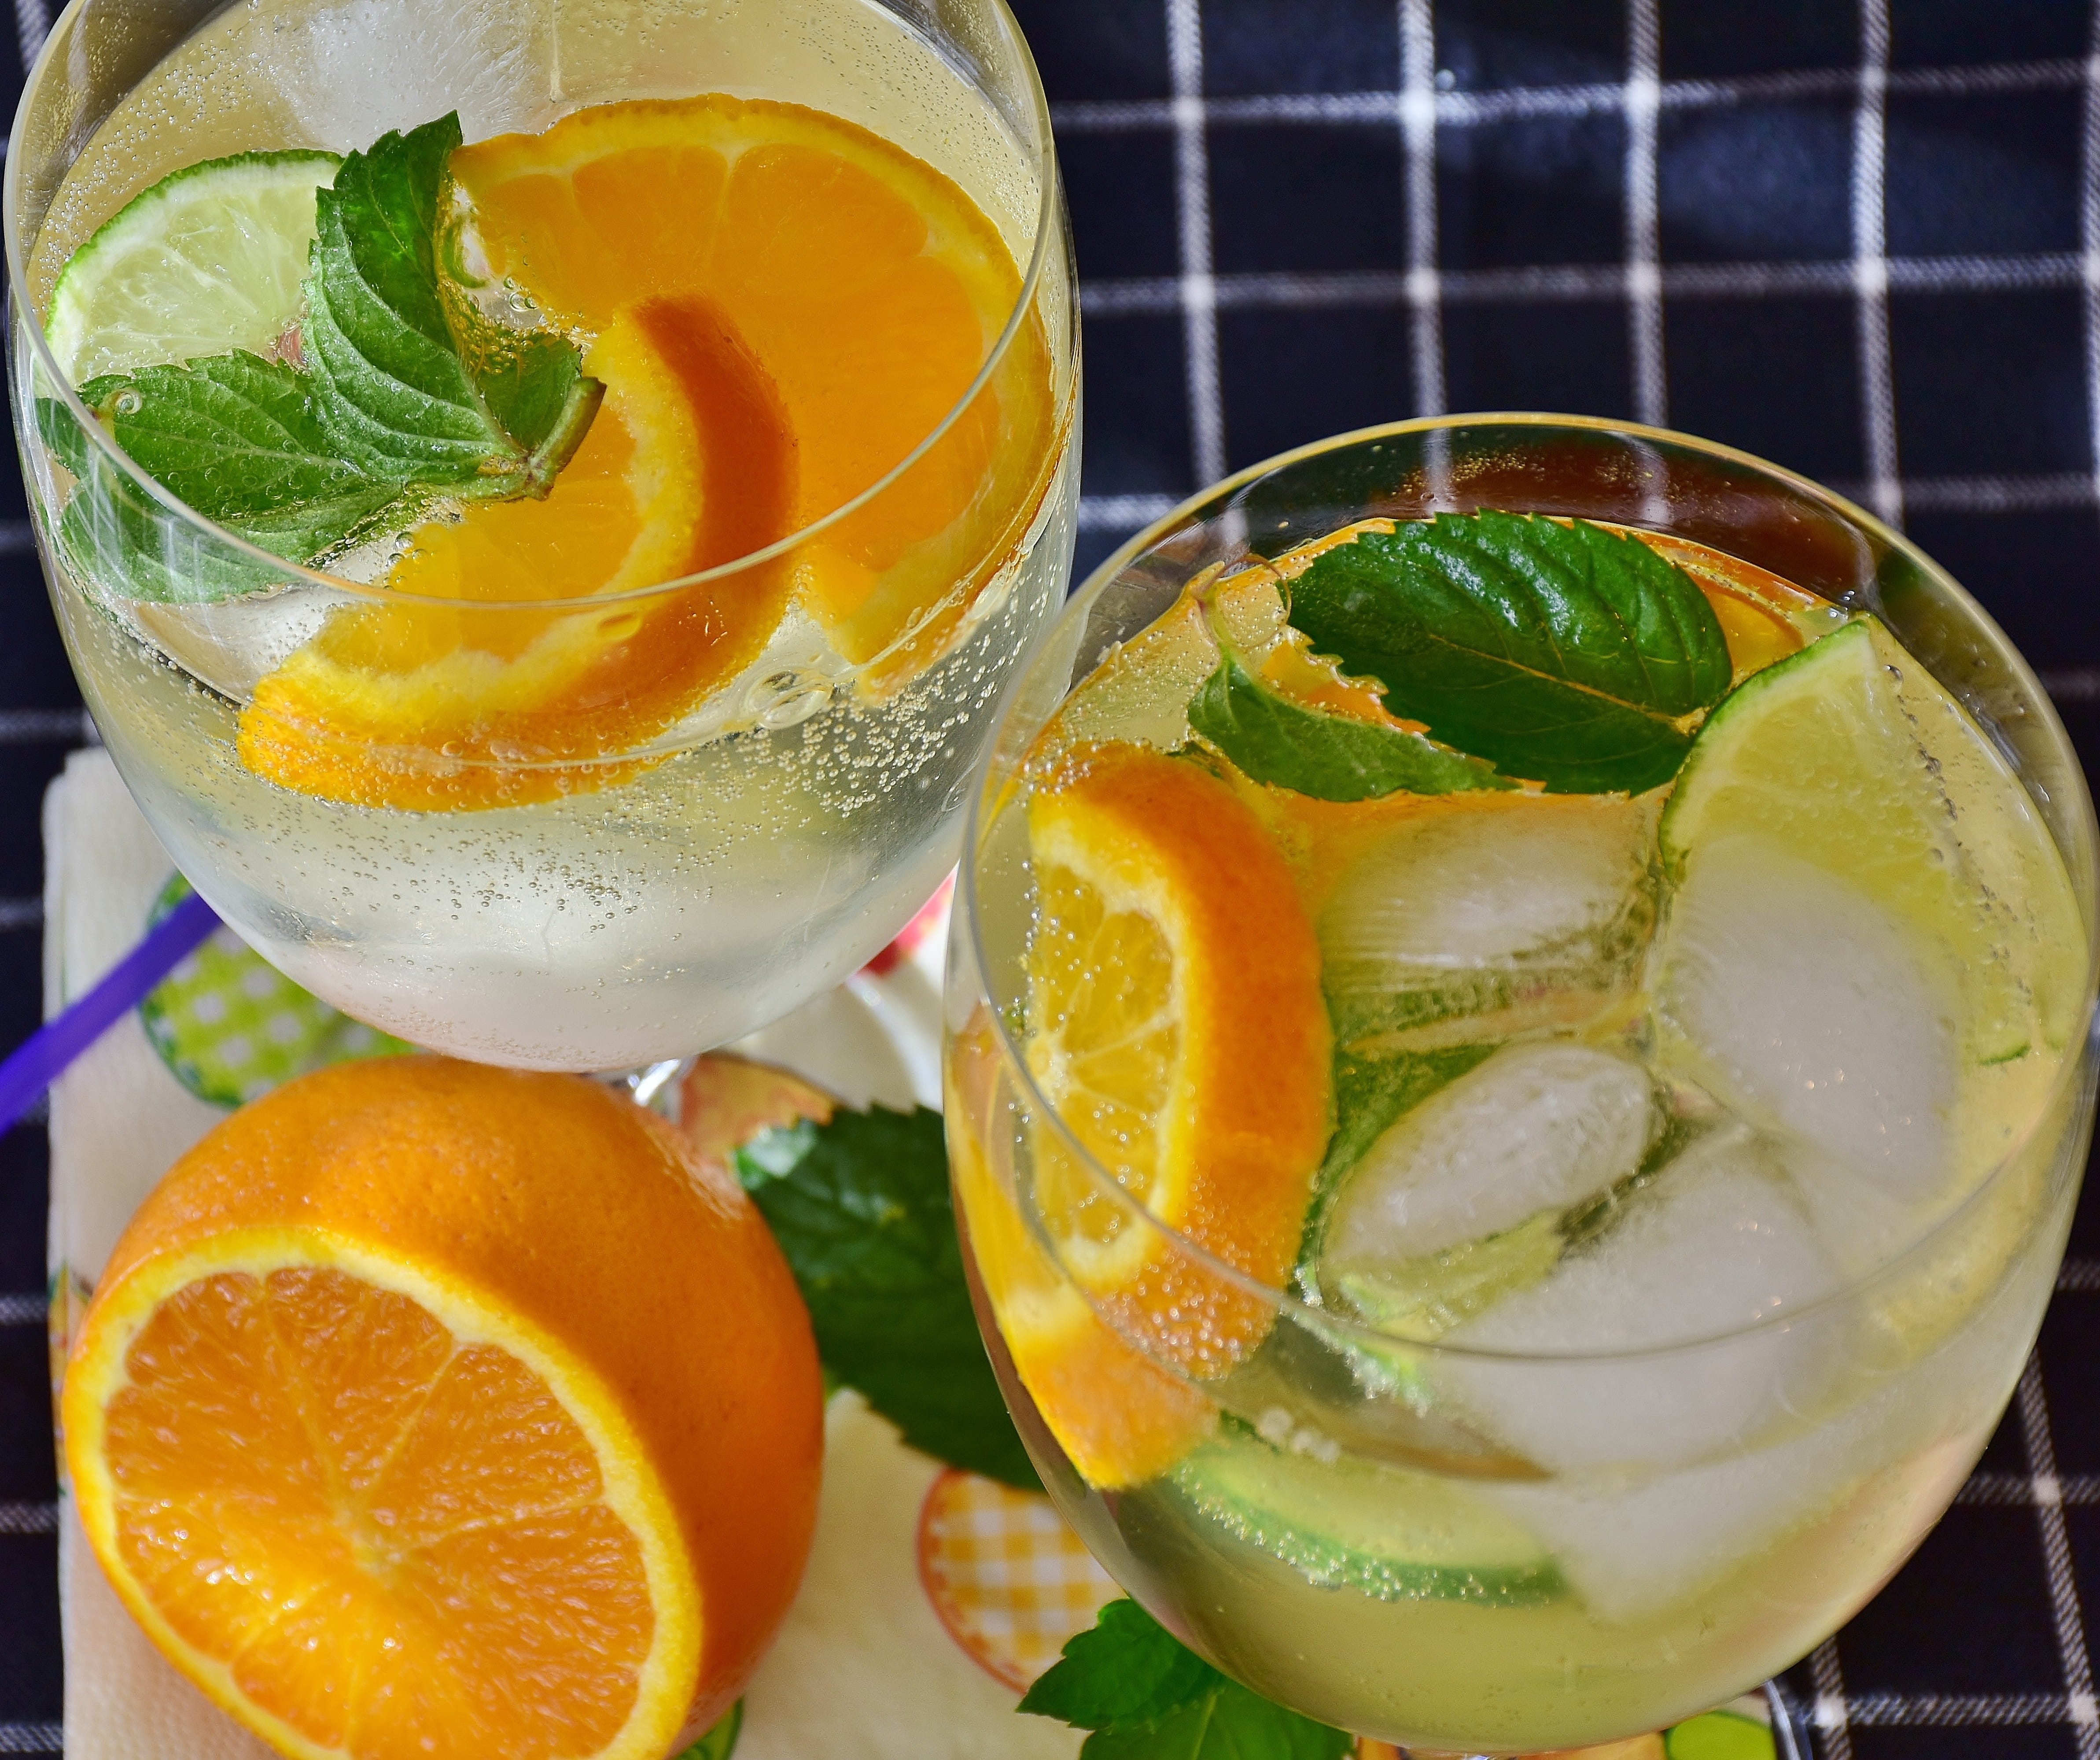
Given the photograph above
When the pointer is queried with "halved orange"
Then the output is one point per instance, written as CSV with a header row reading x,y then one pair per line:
x,y
869,284
432,1411
1175,1023
689,462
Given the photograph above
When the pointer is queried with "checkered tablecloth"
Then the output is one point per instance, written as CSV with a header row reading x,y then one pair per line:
x,y
1861,237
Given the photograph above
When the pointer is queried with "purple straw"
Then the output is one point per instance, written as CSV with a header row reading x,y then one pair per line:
x,y
43,1057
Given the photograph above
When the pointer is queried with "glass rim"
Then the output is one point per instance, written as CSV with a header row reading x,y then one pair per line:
x,y
1044,155
2080,1052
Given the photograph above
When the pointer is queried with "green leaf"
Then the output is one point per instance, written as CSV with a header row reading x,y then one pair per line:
x,y
1146,1696
234,436
1329,757
537,390
720,1741
1566,654
397,396
862,1209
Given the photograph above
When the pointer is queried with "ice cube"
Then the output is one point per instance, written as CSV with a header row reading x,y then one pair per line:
x,y
1719,1242
1536,1127
1632,1547
351,73
1480,900
1798,1001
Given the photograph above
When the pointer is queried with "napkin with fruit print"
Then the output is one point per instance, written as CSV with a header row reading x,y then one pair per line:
x,y
933,1597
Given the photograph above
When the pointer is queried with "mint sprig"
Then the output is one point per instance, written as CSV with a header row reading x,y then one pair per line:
x,y
1145,1696
398,395
1329,757
1564,654
861,1208
405,394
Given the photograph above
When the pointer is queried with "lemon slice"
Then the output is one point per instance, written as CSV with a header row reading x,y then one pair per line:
x,y
210,259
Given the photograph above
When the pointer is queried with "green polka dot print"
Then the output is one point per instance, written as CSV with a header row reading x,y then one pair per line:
x,y
230,1027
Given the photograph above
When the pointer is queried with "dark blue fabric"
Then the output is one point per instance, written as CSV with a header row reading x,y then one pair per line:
x,y
1978,360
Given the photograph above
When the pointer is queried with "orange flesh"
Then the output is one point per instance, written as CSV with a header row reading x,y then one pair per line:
x,y
305,1461
688,463
869,285
782,306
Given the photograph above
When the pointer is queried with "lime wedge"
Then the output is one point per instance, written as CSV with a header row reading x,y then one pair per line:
x,y
1396,1534
210,259
1870,939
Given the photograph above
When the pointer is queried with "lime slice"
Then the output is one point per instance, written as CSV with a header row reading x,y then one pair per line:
x,y
1871,942
209,259
230,1027
1398,1535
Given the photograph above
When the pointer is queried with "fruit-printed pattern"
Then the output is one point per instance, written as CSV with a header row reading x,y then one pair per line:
x,y
1010,1581
231,1027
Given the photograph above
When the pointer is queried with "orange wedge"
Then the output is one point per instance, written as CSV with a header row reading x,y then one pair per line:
x,y
1176,1024
689,463
870,287
431,1412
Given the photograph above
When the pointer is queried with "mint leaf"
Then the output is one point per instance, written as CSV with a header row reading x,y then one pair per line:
x,y
115,536
720,1741
861,1208
1329,757
234,435
397,396
536,390
1145,1696
1565,653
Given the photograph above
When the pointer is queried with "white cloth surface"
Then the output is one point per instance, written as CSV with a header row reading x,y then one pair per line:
x,y
863,1669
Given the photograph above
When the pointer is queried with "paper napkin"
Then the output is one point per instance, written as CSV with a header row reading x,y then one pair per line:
x,y
931,1597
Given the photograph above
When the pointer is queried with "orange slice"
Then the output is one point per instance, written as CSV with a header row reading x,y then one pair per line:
x,y
1177,1024
431,1412
689,463
870,286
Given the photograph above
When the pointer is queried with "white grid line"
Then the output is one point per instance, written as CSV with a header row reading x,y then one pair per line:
x,y
2077,1491
23,1310
1551,283
28,1517
1643,282
1191,204
1946,1710
1831,1715
21,913
2033,1407
33,24
1417,121
32,1739
1463,109
1870,271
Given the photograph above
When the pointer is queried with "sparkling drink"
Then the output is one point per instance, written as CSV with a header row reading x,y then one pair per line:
x,y
1507,1195
536,773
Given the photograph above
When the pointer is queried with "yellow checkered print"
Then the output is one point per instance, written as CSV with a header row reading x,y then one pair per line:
x,y
1009,1580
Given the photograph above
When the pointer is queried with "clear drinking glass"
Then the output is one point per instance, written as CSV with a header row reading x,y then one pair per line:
x,y
630,876
1365,1547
